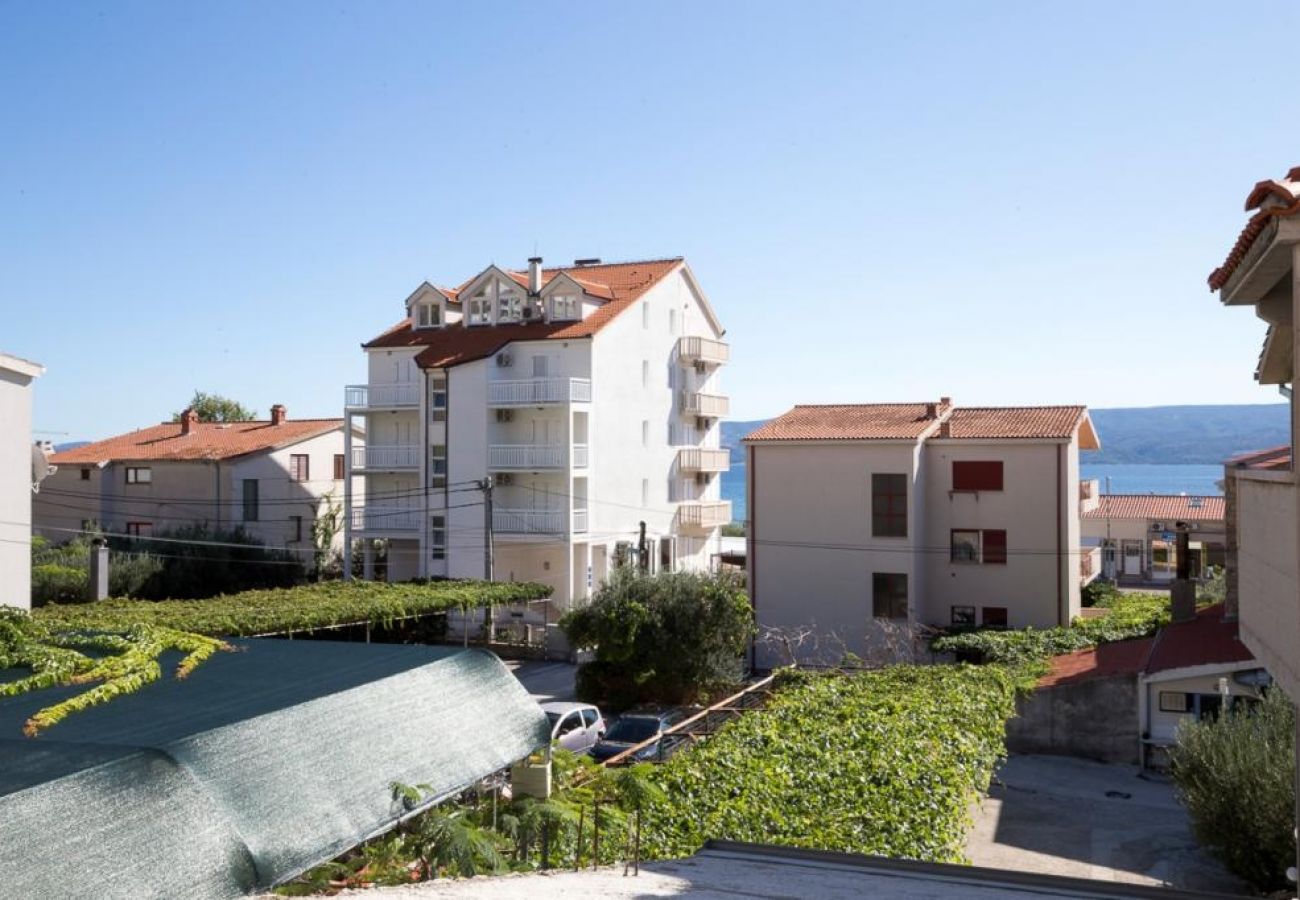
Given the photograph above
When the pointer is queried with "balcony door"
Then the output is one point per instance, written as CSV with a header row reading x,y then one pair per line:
x,y
544,432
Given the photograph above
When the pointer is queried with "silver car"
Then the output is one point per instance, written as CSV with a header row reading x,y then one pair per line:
x,y
575,726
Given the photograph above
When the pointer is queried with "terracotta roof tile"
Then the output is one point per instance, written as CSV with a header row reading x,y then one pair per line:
x,y
1272,458
206,441
1201,641
1102,661
621,283
1157,506
996,422
1272,200
847,422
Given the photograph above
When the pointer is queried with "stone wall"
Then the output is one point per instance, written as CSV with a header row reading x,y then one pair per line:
x,y
1094,719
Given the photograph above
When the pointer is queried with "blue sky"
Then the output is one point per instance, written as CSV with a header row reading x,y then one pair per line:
x,y
1001,202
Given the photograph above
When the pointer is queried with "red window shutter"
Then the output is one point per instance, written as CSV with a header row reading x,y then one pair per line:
x,y
995,546
976,475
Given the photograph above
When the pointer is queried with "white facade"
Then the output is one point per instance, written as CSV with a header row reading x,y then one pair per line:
x,y
16,377
586,430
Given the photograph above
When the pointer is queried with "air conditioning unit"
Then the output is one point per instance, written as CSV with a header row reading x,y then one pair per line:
x,y
505,479
702,423
1157,526
700,366
505,415
701,477
531,312
505,359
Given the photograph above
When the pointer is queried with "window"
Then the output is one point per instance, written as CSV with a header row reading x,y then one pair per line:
x,y
295,529
565,307
965,546
340,467
480,308
540,366
995,616
963,615
250,499
1174,701
888,505
665,554
438,401
645,373
889,595
510,305
589,717
438,537
645,432
429,315
136,475
969,475
299,467
139,529
85,474
438,465
994,547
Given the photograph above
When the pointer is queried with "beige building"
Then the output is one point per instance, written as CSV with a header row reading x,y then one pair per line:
x,y
16,479
270,477
1136,534
912,513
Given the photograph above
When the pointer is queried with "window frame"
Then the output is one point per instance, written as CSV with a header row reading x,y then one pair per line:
x,y
880,517
140,529
85,473
438,537
428,314
133,474
340,466
953,558
966,618
1005,617
996,555
245,505
890,597
296,522
975,476
295,461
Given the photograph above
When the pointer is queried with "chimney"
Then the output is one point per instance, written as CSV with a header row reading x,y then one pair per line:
x,y
189,418
278,414
932,410
945,429
534,274
945,402
1182,594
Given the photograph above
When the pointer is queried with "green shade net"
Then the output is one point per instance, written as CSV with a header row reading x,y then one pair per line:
x,y
262,764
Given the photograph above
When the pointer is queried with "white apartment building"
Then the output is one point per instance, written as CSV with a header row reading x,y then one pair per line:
x,y
914,513
590,396
16,479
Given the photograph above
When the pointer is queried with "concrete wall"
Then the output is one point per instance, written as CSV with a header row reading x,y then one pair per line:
x,y
16,378
1267,573
1096,719
1163,726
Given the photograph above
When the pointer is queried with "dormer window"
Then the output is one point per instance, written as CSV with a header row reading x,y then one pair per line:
x,y
480,308
510,305
428,315
565,307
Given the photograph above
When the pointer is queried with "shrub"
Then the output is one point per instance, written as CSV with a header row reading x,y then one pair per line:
x,y
219,561
1099,593
1236,776
660,638
54,583
733,529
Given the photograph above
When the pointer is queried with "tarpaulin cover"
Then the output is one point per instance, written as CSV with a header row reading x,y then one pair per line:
x,y
261,764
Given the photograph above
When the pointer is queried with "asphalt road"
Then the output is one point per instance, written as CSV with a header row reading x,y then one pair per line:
x,y
544,680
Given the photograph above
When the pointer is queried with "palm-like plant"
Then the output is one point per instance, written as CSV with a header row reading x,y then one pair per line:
x,y
635,791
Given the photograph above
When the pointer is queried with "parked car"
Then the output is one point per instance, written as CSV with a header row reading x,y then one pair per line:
x,y
575,726
633,728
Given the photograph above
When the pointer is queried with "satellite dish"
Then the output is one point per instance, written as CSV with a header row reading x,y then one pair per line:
x,y
41,468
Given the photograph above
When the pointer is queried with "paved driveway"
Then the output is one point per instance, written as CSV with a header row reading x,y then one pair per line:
x,y
1066,816
544,680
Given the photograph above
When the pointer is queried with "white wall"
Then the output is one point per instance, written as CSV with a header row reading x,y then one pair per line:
x,y
15,481
1267,573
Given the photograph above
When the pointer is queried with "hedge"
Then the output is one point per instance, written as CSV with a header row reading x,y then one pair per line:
x,y
298,609
884,762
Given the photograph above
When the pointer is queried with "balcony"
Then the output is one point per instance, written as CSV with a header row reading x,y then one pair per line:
x,y
711,406
702,349
528,522
1089,494
539,392
381,396
703,515
389,458
382,518
534,457
1267,571
702,459
1089,564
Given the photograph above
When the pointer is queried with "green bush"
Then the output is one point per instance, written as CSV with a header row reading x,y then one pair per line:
x,y
218,561
54,583
660,638
1236,776
1099,592
884,762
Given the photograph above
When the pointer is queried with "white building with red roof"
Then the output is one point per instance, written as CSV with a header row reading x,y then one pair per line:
x,y
1137,534
270,477
589,395
912,513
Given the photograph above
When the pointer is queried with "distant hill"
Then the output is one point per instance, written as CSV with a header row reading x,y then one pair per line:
x,y
1165,435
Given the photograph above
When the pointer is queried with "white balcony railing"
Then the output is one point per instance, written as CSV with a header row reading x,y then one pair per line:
x,y
381,396
528,521
380,517
531,457
539,391
580,521
395,456
702,349
704,514
712,405
580,456
703,459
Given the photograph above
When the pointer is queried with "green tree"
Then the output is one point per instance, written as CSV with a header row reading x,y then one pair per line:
x,y
327,524
216,408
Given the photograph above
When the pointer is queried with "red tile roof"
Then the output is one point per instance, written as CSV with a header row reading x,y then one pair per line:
x,y
1102,661
848,422
206,441
619,283
1157,506
1272,458
1273,200
994,422
1204,640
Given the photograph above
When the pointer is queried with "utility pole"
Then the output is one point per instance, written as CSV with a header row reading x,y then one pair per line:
x,y
489,615
642,552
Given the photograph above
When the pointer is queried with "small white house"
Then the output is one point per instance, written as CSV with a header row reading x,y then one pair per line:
x,y
16,479
913,514
1137,534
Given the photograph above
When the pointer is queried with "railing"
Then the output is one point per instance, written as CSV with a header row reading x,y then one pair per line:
x,y
704,404
528,521
1089,564
580,456
538,391
378,517
704,514
702,459
1089,494
381,396
580,521
703,349
395,456
526,456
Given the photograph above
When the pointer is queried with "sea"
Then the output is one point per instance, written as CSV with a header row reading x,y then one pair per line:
x,y
1204,480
